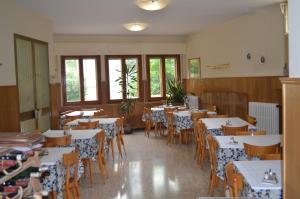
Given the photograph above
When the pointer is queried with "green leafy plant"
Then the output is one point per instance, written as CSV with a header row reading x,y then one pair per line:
x,y
176,92
128,82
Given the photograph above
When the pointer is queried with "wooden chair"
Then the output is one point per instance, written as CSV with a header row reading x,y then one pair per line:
x,y
218,116
258,151
89,125
231,130
234,181
100,114
100,154
245,133
200,128
251,120
198,115
148,121
276,156
171,129
79,128
209,107
63,141
70,160
72,118
214,179
119,136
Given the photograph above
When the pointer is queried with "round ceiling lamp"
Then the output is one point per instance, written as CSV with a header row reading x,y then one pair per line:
x,y
136,26
152,5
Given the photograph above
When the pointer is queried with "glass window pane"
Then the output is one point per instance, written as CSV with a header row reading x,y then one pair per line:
x,y
72,80
90,80
155,78
132,84
115,67
170,64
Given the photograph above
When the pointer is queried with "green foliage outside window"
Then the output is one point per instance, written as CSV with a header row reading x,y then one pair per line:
x,y
72,81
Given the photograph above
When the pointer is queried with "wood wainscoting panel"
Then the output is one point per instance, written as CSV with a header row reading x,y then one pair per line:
x,y
291,133
55,93
9,109
259,89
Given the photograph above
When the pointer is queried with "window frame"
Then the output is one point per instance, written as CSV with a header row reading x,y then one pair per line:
x,y
163,68
140,71
80,58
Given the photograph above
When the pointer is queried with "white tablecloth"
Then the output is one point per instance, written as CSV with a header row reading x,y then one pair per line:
x,y
261,140
253,173
54,161
235,152
216,123
108,124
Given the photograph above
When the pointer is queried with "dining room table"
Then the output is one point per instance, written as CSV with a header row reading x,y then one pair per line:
x,y
183,119
255,183
109,125
84,140
231,148
53,160
214,125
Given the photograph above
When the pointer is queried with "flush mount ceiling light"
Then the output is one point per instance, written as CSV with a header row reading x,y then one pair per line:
x,y
135,26
152,5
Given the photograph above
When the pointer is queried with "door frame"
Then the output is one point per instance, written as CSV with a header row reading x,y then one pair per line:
x,y
32,40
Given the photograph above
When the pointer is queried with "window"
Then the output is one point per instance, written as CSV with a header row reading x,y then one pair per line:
x,y
115,64
80,79
161,69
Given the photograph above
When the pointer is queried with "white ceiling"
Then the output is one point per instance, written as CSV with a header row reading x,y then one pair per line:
x,y
181,17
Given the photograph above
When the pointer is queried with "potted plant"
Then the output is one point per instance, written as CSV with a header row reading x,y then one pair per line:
x,y
128,82
176,92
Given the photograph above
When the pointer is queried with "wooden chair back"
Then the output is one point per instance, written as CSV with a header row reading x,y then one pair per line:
x,y
169,109
213,146
245,133
147,113
170,119
234,181
231,130
275,156
101,141
89,125
251,120
218,116
199,129
120,125
197,115
71,162
209,107
72,118
79,127
63,141
258,151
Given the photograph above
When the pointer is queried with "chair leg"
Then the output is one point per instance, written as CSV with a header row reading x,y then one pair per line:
x,y
91,170
112,149
77,190
68,193
53,195
119,145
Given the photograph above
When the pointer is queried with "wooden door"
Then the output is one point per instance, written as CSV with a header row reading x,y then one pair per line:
x,y
32,71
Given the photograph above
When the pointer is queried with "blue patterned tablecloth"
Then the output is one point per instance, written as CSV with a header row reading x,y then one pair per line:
x,y
249,192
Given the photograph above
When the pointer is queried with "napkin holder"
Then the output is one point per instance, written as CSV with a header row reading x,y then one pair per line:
x,y
232,141
270,177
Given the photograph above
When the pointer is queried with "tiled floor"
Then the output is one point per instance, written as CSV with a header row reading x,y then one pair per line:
x,y
151,170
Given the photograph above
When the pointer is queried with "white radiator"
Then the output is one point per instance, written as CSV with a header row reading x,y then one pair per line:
x,y
267,116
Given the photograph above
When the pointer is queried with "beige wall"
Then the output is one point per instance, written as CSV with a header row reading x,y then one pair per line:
x,y
15,19
260,33
114,45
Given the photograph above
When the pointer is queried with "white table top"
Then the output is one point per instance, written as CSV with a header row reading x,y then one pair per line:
x,y
253,172
100,120
55,154
85,113
76,134
189,112
260,140
216,123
